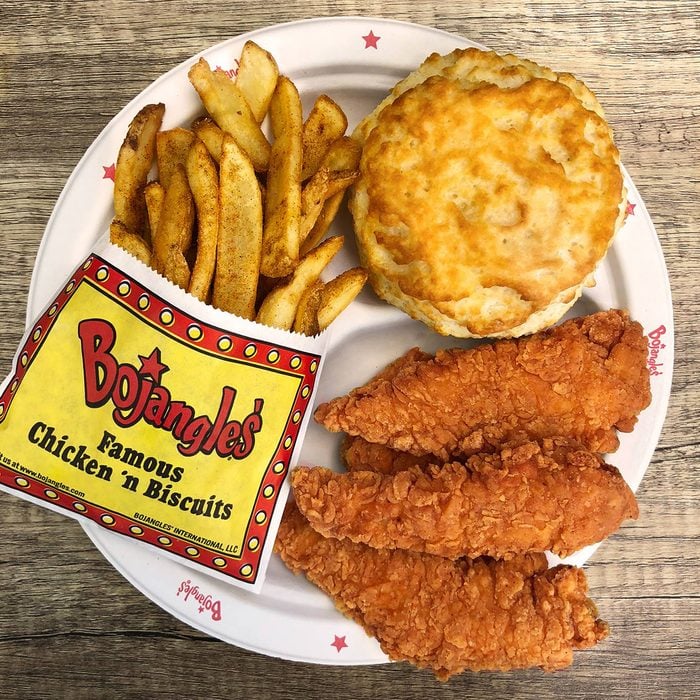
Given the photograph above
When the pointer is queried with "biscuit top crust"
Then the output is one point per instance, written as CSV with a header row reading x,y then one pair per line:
x,y
474,65
487,201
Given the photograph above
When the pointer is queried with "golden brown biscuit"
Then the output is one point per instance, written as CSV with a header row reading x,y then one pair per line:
x,y
473,66
490,189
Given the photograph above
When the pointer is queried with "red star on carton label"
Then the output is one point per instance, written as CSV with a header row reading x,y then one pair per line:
x,y
108,172
152,366
371,40
339,643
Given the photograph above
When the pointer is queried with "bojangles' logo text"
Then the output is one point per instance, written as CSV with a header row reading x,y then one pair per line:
x,y
137,394
655,348
203,600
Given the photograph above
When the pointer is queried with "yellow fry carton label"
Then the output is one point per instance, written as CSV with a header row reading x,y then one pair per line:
x,y
136,414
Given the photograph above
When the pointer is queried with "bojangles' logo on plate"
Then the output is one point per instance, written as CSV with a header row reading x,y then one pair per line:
x,y
204,601
137,394
655,347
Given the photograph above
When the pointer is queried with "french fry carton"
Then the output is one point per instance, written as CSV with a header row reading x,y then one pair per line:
x,y
136,406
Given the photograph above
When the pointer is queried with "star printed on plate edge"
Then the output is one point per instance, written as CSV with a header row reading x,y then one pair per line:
x,y
108,172
339,643
371,40
630,208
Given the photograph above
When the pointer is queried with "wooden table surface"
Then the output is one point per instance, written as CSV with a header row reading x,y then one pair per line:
x,y
70,625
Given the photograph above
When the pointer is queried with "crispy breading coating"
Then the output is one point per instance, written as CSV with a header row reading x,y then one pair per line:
x,y
445,615
408,359
531,498
359,455
582,379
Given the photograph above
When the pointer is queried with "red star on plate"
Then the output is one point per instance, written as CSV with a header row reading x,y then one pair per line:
x,y
339,643
109,172
371,40
630,208
151,366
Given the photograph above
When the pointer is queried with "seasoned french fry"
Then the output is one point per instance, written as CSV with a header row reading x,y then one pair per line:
x,y
256,79
323,185
210,134
131,242
343,154
133,163
306,318
280,306
204,183
174,233
340,180
154,194
313,195
325,124
228,107
337,294
283,196
323,223
172,147
240,233
343,157
266,285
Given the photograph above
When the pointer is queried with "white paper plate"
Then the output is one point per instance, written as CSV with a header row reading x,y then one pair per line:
x,y
356,61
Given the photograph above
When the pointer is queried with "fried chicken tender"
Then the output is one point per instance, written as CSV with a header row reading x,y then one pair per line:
x,y
583,379
359,455
531,498
445,615
408,359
